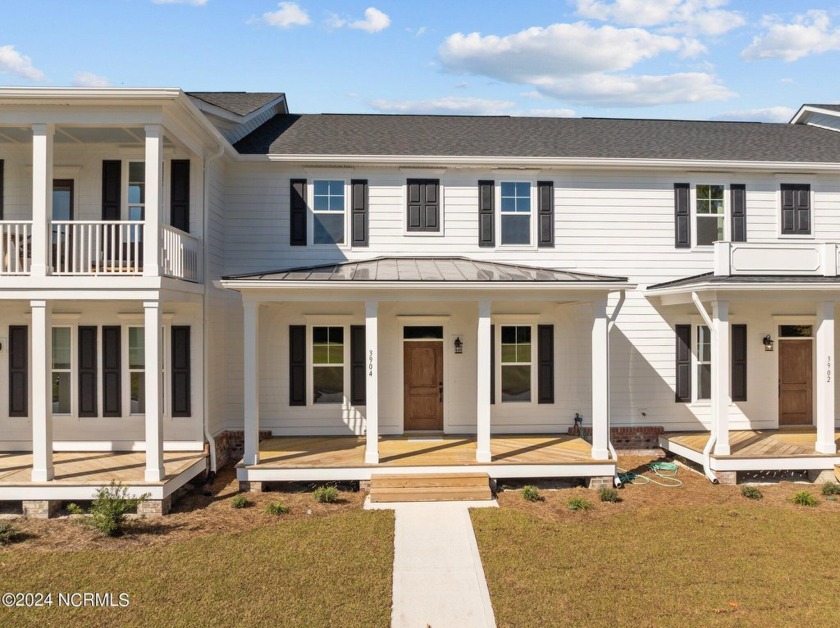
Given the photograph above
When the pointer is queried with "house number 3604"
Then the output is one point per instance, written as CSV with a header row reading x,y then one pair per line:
x,y
370,364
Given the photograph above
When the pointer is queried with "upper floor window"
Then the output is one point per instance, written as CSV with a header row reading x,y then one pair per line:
x,y
328,210
710,214
796,209
515,212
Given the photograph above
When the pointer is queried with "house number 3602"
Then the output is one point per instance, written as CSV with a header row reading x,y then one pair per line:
x,y
370,364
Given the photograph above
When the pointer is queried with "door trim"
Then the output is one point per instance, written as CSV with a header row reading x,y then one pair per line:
x,y
780,340
415,321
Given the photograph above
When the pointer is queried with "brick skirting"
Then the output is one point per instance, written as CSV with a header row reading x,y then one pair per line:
x,y
230,446
642,437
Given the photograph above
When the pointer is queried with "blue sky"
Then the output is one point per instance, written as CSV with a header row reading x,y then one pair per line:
x,y
698,59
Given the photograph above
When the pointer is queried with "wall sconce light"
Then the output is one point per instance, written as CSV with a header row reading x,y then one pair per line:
x,y
459,346
768,343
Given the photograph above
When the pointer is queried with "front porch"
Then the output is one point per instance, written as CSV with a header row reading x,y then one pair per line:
x,y
342,458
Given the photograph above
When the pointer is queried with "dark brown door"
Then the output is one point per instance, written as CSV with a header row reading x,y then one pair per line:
x,y
795,382
423,387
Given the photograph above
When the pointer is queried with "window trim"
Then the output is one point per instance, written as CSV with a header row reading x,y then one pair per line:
x,y
310,212
727,210
519,322
696,363
797,180
310,366
126,180
441,218
532,215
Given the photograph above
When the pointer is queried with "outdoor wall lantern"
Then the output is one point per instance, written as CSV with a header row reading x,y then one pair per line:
x,y
768,343
459,346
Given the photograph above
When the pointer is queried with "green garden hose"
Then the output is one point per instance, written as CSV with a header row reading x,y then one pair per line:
x,y
665,475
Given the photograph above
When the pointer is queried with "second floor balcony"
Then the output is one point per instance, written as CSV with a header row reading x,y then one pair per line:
x,y
812,258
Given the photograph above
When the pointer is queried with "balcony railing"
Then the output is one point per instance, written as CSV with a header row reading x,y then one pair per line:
x,y
81,247
776,258
181,254
15,243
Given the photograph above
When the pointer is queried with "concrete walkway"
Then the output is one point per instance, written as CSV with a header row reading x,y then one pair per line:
x,y
438,577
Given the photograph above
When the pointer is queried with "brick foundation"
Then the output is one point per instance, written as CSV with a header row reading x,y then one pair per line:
x,y
600,481
364,486
728,478
641,437
40,508
251,487
230,446
155,507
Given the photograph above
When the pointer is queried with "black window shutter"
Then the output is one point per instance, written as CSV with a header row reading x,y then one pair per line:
x,y
2,194
87,371
492,364
358,381
297,365
682,216
486,213
18,370
111,189
297,212
111,371
739,363
796,209
683,387
359,213
181,371
423,205
545,204
738,194
179,195
545,363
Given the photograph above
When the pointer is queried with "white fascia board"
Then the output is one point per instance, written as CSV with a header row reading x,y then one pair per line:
x,y
743,287
88,93
261,284
804,110
219,112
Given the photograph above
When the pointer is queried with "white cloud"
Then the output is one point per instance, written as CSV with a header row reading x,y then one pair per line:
x,y
89,79
692,48
810,33
697,17
13,62
560,112
463,105
289,14
196,3
762,114
375,21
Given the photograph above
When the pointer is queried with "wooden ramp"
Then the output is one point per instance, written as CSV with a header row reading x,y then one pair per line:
x,y
430,487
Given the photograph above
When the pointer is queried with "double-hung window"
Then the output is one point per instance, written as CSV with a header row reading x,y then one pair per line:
x,y
62,387
710,213
136,197
137,369
327,365
704,362
516,363
515,212
328,209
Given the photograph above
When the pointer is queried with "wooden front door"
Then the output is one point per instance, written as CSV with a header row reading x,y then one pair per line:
x,y
795,382
423,385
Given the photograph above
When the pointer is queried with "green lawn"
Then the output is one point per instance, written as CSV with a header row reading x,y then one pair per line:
x,y
333,570
735,564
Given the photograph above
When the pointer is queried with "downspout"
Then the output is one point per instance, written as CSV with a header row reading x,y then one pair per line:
x,y
206,335
707,450
610,324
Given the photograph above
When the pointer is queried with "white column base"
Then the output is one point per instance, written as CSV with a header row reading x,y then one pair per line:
x,y
600,454
826,448
722,448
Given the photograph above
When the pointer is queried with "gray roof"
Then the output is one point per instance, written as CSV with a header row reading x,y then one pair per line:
x,y
240,103
706,278
488,136
827,107
435,269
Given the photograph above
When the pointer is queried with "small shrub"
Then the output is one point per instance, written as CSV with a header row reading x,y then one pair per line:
x,y
579,503
804,498
8,533
277,509
831,488
326,494
107,513
751,492
240,501
609,495
531,494
75,509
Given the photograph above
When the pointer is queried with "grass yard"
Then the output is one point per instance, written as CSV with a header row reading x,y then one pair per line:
x,y
328,567
696,555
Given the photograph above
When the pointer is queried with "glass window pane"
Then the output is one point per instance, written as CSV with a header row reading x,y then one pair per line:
x,y
61,204
508,353
329,229
516,383
136,193
420,332
322,203
321,188
508,189
135,212
136,348
61,393
796,331
523,189
328,384
716,192
336,188
703,206
704,381
61,347
709,229
508,335
320,335
516,229
337,203
704,346
703,192
137,171
138,393
717,207
336,354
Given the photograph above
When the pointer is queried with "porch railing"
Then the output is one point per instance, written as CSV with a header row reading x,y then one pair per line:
x,y
15,247
776,258
181,255
82,247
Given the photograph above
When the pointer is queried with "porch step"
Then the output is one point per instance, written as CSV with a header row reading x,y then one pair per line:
x,y
430,487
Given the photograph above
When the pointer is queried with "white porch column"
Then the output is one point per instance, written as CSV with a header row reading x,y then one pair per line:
x,y
154,415
483,383
154,200
252,383
825,378
42,175
600,381
721,379
42,423
372,382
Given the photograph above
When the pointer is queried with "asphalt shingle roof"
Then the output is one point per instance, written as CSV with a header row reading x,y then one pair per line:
x,y
438,269
487,136
240,103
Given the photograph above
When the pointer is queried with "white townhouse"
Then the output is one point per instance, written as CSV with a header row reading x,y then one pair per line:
x,y
332,297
